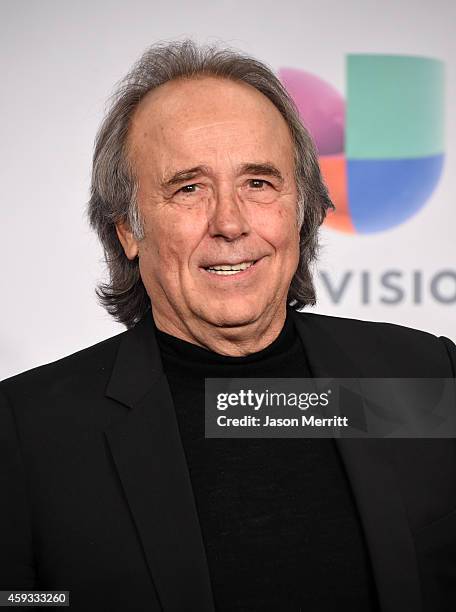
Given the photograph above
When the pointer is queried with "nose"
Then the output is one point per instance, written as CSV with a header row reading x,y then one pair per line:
x,y
227,220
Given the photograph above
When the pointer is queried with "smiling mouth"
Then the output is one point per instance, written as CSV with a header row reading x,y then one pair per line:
x,y
230,269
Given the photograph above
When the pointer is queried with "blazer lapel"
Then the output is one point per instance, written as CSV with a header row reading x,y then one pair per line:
x,y
150,460
372,478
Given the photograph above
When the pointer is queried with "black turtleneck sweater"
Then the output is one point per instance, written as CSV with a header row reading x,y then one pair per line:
x,y
279,522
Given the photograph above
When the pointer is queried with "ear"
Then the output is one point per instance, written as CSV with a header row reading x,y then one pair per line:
x,y
130,245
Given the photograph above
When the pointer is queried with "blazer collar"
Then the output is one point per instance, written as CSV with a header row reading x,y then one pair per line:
x,y
150,460
138,365
149,457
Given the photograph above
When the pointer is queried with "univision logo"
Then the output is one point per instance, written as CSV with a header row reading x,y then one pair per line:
x,y
381,152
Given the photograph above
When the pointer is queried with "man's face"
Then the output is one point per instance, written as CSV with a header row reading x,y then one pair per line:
x,y
214,162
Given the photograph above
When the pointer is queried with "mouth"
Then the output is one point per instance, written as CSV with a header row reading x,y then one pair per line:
x,y
225,269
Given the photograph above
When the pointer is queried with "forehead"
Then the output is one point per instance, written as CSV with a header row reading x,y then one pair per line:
x,y
207,113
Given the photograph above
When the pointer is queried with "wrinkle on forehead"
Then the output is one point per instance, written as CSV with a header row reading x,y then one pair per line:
x,y
213,124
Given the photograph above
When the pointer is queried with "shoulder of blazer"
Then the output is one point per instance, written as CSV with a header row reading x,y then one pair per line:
x,y
82,367
408,351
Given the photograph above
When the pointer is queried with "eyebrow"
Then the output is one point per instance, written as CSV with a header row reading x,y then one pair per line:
x,y
264,169
184,175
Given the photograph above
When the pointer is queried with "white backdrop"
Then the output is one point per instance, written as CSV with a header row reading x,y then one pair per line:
x,y
59,62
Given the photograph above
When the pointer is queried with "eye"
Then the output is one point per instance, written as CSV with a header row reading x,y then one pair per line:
x,y
188,188
259,183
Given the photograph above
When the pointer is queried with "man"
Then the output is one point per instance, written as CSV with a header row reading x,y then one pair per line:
x,y
207,197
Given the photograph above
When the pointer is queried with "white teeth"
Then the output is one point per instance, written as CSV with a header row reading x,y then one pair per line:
x,y
225,270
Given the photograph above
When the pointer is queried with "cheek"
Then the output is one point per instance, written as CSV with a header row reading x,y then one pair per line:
x,y
171,239
280,230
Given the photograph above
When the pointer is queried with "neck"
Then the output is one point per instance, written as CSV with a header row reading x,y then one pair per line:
x,y
237,341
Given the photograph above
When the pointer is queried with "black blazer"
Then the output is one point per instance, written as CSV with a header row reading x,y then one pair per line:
x,y
96,496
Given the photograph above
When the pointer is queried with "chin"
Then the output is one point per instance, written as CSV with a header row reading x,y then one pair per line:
x,y
232,313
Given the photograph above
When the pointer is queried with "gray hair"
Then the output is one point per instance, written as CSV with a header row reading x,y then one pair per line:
x,y
114,187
